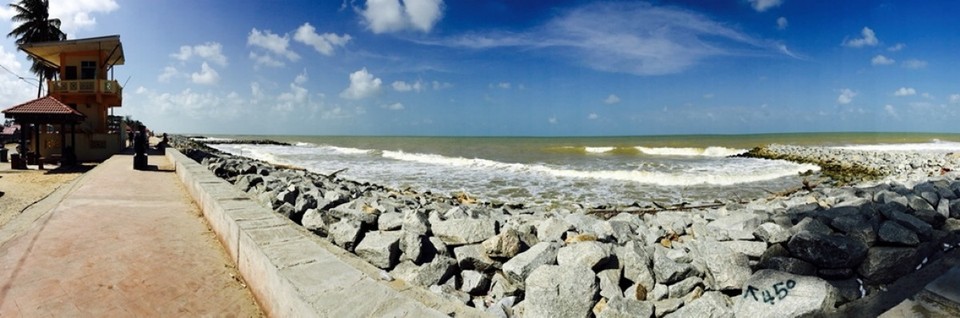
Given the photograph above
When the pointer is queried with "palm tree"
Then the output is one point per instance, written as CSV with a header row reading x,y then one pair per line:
x,y
36,26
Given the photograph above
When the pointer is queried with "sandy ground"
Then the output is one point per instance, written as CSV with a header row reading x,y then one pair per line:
x,y
21,188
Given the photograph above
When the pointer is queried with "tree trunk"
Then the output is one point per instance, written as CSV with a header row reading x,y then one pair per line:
x,y
40,85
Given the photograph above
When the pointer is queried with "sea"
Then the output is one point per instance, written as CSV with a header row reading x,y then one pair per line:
x,y
557,171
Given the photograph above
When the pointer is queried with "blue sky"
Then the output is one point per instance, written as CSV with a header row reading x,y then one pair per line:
x,y
530,68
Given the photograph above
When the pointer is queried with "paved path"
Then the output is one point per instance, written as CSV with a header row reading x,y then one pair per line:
x,y
120,243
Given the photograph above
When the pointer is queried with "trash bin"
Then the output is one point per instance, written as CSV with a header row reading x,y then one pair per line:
x,y
3,154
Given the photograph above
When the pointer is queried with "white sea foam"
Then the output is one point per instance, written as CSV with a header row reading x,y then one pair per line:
x,y
934,146
690,151
345,150
727,172
598,149
212,139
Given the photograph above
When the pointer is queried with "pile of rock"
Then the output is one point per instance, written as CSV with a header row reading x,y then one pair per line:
x,y
803,253
848,165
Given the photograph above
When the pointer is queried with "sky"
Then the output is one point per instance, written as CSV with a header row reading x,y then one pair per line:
x,y
521,68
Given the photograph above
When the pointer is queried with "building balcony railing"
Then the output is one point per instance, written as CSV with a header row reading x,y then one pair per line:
x,y
85,87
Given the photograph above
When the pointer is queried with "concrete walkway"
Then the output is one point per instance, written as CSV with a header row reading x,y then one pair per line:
x,y
118,242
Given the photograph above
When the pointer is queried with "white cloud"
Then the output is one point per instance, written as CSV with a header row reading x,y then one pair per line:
x,y
323,43
763,5
76,15
501,85
394,106
914,64
905,91
194,105
708,96
210,51
782,23
869,39
552,120
954,98
207,75
265,60
383,16
846,96
402,86
628,37
441,85
890,110
896,47
273,43
169,73
881,60
301,78
592,116
612,99
12,89
927,95
362,85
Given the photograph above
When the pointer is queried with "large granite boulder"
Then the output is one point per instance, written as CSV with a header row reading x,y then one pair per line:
x,y
886,264
727,268
827,250
455,232
380,249
519,267
560,291
775,294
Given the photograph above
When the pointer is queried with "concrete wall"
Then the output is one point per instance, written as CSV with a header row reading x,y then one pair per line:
x,y
293,273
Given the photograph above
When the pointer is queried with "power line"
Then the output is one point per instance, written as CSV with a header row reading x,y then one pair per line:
x,y
24,79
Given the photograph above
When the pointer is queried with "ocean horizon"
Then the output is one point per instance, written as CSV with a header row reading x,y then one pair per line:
x,y
573,170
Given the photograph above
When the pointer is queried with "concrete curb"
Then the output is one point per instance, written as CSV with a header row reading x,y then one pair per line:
x,y
293,273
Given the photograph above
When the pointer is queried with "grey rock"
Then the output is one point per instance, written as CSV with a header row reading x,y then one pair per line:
x,y
955,208
895,234
771,233
356,210
812,225
473,257
711,304
789,265
552,229
345,234
501,287
668,271
849,290
861,228
835,273
245,182
739,225
380,249
827,251
474,282
896,213
660,292
582,223
886,264
807,296
313,221
429,274
560,291
389,221
610,283
944,209
591,254
774,250
751,249
288,195
506,244
728,268
626,308
415,248
921,202
415,221
519,267
666,306
636,263
464,231
932,217
683,287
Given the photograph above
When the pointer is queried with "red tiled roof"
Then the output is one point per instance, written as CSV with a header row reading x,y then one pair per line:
x,y
42,106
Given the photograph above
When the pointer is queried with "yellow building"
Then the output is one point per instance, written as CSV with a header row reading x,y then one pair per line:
x,y
86,85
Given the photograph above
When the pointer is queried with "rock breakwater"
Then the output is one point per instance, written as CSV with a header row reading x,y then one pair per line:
x,y
790,255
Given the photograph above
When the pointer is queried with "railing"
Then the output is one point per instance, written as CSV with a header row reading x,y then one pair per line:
x,y
85,87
